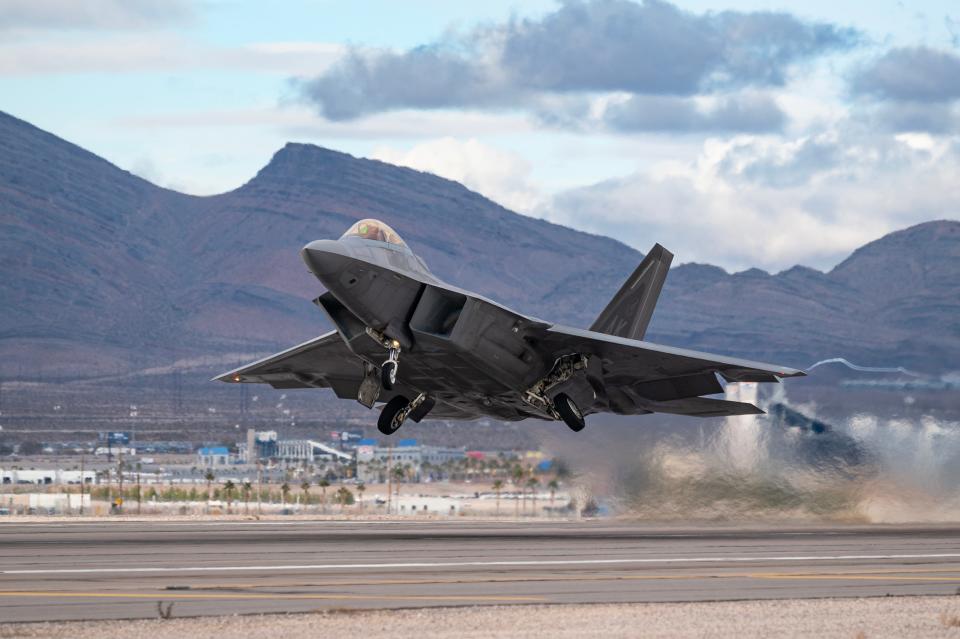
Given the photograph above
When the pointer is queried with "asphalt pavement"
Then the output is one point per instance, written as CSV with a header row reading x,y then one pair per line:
x,y
123,569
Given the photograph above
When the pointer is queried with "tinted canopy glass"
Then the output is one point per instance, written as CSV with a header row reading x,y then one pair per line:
x,y
374,230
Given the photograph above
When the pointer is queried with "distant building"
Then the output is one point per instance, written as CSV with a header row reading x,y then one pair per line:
x,y
420,505
307,450
406,452
213,456
45,477
346,438
115,450
259,445
266,445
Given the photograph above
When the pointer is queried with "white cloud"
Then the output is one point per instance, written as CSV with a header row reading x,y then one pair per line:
x,y
299,123
773,203
92,14
500,175
128,53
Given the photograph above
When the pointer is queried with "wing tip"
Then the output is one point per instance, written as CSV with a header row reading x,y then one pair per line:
x,y
231,377
791,372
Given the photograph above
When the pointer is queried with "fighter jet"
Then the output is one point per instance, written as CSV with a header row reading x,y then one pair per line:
x,y
421,347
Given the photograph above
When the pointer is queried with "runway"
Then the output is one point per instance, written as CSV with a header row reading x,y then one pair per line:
x,y
122,569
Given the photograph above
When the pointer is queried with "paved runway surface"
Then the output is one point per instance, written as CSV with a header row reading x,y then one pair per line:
x,y
116,569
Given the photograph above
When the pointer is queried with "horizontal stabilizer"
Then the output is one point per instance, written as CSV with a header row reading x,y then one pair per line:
x,y
704,407
628,313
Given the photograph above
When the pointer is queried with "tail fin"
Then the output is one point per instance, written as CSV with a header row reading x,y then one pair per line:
x,y
628,313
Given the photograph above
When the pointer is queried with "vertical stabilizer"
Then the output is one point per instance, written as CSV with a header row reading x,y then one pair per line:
x,y
628,313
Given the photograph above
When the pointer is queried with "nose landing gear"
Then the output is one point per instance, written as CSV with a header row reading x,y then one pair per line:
x,y
388,370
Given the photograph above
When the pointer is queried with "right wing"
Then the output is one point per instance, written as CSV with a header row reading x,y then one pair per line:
x,y
323,362
644,377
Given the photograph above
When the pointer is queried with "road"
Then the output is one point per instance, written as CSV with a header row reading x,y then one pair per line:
x,y
122,569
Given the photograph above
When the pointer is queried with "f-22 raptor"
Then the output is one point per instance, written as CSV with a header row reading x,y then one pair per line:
x,y
422,347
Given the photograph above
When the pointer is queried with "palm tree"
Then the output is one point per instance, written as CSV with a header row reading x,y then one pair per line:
x,y
284,491
209,476
398,474
228,493
344,497
553,486
518,474
324,484
532,484
361,488
247,487
498,487
305,487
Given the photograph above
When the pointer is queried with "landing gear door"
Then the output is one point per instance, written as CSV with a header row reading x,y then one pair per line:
x,y
369,389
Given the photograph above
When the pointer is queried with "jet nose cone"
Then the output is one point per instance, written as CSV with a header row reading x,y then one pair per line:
x,y
325,257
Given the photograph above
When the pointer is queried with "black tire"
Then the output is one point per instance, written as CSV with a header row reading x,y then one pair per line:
x,y
388,375
569,412
385,424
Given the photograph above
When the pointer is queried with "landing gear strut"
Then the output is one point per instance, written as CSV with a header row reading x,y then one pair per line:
x,y
388,370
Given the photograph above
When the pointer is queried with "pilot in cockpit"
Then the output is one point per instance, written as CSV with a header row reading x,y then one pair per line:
x,y
374,230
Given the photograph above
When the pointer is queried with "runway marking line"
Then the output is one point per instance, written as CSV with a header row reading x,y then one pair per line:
x,y
164,594
466,564
261,596
865,575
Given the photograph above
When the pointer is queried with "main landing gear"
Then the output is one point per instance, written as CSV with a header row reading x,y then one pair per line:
x,y
562,405
569,412
393,414
398,409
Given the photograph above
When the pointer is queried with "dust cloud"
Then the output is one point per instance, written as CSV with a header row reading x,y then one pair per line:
x,y
788,465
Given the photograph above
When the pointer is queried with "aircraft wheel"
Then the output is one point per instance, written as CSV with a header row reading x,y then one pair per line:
x,y
569,412
388,374
392,415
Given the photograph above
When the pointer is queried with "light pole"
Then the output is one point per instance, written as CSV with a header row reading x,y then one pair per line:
x,y
139,493
259,485
83,459
120,480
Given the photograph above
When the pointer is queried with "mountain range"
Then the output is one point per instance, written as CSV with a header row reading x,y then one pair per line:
x,y
105,273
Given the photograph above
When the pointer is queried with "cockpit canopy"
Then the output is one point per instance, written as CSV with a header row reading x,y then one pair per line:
x,y
371,229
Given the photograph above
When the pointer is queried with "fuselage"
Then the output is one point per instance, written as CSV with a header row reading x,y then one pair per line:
x,y
451,339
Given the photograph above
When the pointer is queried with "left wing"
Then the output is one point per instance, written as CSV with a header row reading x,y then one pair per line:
x,y
323,362
644,377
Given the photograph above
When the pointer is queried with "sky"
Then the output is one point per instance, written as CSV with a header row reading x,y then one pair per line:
x,y
740,133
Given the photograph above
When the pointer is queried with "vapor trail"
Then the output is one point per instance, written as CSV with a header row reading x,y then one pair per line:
x,y
864,369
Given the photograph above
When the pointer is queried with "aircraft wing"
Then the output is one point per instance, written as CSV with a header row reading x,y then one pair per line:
x,y
323,362
644,377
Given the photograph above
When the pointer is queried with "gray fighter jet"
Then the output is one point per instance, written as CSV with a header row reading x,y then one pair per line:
x,y
423,347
